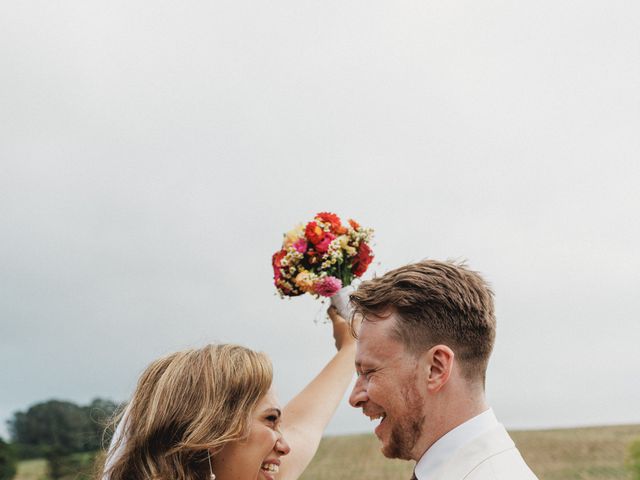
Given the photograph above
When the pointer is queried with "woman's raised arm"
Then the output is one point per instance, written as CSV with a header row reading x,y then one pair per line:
x,y
306,416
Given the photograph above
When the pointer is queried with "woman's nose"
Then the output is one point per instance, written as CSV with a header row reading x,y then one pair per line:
x,y
282,447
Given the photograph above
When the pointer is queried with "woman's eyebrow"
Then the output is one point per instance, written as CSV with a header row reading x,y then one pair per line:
x,y
276,410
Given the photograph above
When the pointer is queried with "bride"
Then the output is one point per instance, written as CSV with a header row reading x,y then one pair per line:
x,y
212,413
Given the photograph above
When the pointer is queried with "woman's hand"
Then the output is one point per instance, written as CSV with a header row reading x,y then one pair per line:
x,y
341,328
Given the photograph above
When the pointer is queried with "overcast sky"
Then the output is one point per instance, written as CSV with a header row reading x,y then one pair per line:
x,y
153,153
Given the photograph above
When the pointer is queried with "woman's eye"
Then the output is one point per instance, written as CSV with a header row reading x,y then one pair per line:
x,y
272,418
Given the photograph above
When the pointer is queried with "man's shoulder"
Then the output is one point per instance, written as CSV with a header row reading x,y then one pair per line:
x,y
491,456
506,465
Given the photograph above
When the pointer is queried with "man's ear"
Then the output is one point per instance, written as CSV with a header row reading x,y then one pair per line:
x,y
440,360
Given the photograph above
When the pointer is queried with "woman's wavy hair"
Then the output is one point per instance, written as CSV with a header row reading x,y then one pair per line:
x,y
187,404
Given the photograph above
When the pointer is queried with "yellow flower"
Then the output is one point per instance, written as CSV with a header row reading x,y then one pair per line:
x,y
292,236
344,244
304,281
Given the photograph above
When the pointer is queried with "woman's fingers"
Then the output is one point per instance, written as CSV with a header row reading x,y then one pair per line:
x,y
341,330
334,315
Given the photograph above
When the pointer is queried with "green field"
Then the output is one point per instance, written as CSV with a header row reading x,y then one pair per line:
x,y
569,454
81,468
31,470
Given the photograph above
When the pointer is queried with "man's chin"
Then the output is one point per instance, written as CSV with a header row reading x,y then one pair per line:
x,y
387,448
387,452
390,451
395,447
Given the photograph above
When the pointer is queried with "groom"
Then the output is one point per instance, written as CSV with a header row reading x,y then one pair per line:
x,y
422,354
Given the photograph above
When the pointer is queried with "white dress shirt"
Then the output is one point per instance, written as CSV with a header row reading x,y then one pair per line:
x,y
444,448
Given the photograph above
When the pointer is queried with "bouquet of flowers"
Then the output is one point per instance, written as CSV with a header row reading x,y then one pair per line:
x,y
321,257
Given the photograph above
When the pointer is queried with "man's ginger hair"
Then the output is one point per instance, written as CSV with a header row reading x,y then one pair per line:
x,y
435,303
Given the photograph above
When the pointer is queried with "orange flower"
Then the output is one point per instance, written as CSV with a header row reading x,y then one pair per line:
x,y
333,220
304,281
355,225
314,233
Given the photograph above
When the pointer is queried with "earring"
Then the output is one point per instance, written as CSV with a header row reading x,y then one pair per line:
x,y
212,476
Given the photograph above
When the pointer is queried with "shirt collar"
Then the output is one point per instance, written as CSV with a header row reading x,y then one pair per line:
x,y
447,445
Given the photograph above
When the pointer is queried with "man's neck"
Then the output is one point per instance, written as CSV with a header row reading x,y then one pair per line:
x,y
444,419
446,446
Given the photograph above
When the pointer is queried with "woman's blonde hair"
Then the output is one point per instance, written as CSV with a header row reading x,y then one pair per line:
x,y
185,405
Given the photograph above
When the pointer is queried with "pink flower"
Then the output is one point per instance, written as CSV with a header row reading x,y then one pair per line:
x,y
301,245
328,286
323,245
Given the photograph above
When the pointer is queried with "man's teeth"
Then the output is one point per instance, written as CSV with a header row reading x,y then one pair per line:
x,y
376,417
270,467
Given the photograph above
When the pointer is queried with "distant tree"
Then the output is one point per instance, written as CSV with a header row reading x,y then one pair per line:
x,y
61,426
633,460
99,411
55,456
7,461
57,428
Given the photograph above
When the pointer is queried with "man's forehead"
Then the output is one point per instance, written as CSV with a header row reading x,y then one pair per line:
x,y
375,327
376,340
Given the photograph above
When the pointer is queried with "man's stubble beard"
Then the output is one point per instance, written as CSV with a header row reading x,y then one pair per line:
x,y
405,433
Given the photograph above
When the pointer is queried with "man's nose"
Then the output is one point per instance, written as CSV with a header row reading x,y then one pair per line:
x,y
359,393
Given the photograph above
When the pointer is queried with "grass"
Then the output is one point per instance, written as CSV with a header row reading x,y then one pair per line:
x,y
596,453
32,470
569,454
581,453
80,468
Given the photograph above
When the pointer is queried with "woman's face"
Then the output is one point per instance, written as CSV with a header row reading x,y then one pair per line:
x,y
257,457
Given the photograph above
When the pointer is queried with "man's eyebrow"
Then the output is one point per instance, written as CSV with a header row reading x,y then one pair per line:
x,y
361,365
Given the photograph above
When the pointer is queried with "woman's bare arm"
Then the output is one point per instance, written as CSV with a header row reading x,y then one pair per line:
x,y
308,413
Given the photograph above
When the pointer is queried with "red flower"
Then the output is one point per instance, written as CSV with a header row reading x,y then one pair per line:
x,y
333,220
314,233
275,262
355,225
362,260
323,246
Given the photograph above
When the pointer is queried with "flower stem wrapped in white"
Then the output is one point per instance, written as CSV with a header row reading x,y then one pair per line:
x,y
341,301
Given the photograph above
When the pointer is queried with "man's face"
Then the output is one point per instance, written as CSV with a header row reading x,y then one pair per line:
x,y
391,386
